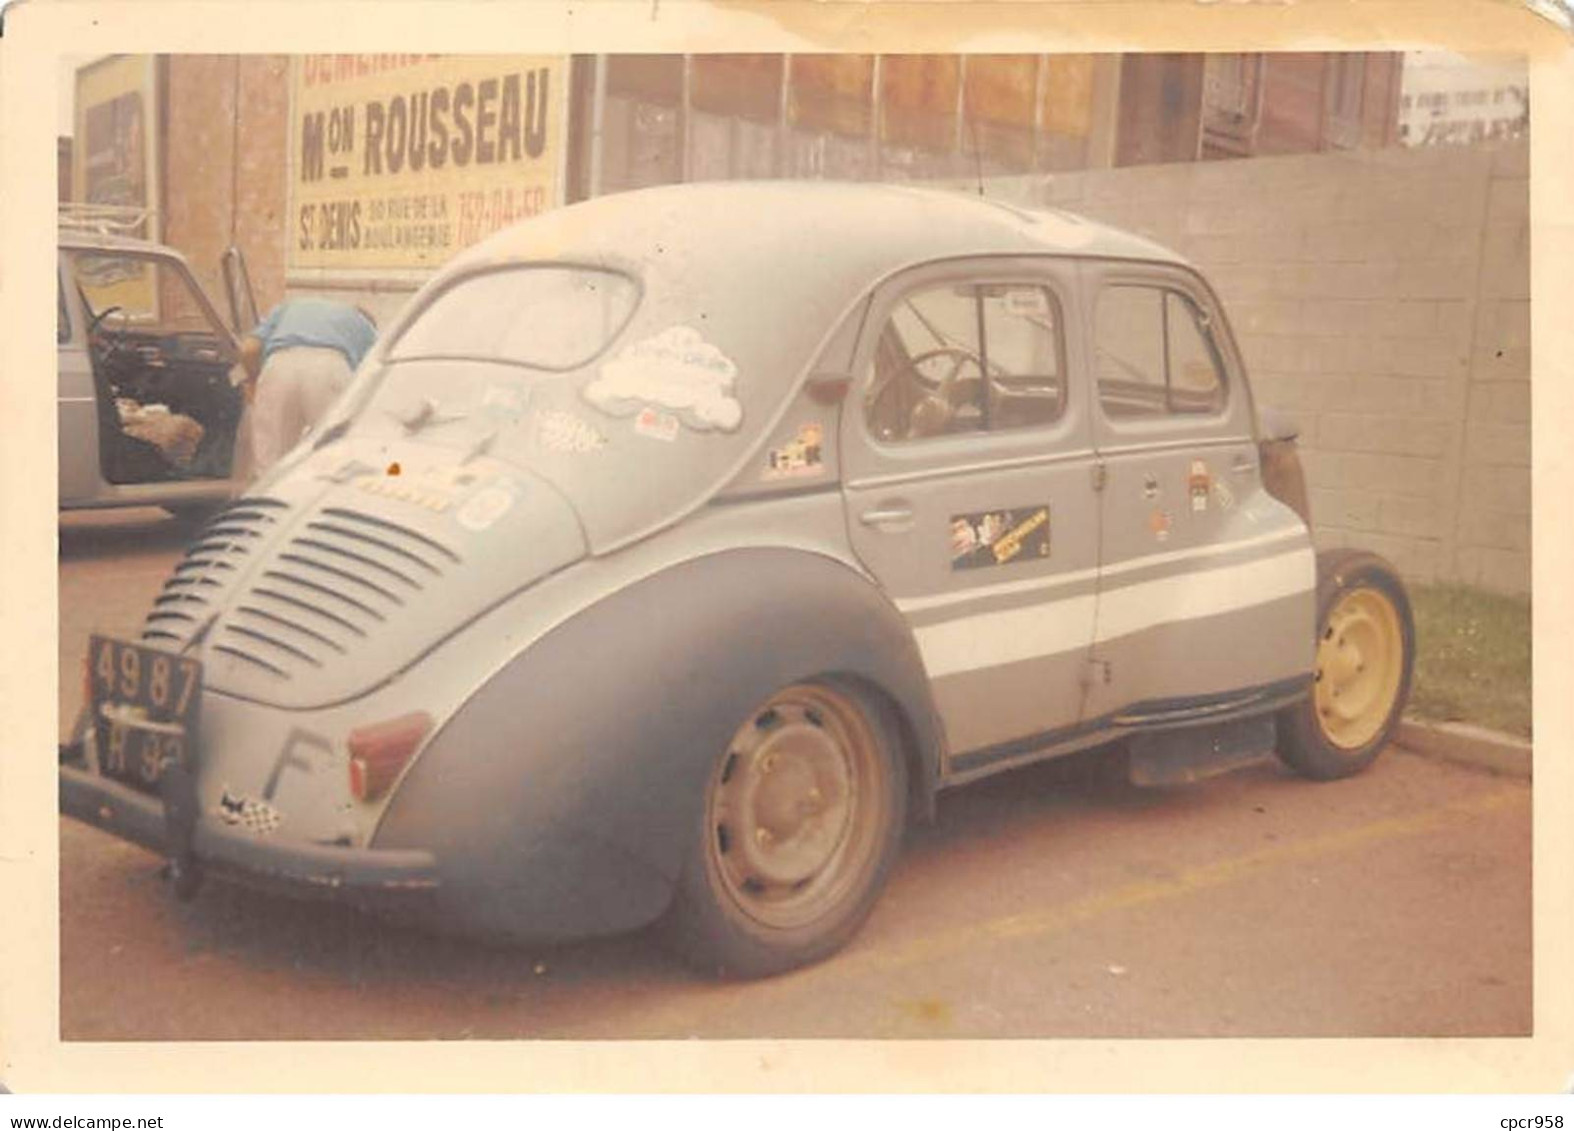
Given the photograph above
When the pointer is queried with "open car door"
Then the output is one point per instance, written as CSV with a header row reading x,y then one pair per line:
x,y
237,288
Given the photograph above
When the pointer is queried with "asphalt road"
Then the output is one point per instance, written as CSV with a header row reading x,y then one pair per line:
x,y
1052,902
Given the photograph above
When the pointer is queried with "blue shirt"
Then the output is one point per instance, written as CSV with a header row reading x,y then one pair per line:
x,y
318,322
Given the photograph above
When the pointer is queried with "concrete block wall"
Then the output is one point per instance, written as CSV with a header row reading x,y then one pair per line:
x,y
1383,298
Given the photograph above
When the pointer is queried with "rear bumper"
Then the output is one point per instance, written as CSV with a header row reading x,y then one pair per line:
x,y
392,879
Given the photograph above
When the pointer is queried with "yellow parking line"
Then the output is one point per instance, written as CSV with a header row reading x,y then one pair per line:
x,y
1186,882
691,1013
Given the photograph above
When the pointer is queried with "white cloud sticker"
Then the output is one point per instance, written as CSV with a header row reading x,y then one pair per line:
x,y
676,369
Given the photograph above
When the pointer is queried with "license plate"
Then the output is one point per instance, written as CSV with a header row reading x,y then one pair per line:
x,y
144,709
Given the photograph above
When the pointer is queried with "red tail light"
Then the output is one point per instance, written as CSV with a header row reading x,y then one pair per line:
x,y
378,752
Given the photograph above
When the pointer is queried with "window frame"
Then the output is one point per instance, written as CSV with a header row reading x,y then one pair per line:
x,y
177,266
1216,338
880,318
1232,102
65,325
1344,100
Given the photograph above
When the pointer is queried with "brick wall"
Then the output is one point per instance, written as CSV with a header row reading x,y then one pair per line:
x,y
1382,297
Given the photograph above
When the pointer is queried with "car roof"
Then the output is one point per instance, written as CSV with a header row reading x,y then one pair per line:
x,y
871,229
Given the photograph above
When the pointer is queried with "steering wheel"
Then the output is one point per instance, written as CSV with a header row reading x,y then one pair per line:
x,y
933,413
111,342
959,357
92,326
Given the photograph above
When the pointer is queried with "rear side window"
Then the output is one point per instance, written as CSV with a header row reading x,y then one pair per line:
x,y
1155,355
938,345
550,317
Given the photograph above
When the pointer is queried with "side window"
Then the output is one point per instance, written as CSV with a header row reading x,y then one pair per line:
x,y
1154,355
970,357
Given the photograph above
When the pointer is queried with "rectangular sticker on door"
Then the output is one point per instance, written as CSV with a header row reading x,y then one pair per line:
x,y
994,538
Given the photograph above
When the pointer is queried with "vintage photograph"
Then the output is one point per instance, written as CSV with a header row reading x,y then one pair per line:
x,y
794,545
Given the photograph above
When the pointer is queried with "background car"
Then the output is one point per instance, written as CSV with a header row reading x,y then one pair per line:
x,y
148,414
675,549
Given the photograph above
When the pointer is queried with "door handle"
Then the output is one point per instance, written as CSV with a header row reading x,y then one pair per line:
x,y
886,516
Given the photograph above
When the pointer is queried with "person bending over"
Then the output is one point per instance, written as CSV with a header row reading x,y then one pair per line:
x,y
298,360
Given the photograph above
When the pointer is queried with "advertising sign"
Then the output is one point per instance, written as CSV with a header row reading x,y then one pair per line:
x,y
114,163
399,161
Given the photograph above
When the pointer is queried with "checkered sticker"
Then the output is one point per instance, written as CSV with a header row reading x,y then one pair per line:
x,y
258,816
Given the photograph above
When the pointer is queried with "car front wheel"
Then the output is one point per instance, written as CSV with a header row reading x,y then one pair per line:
x,y
1365,658
803,818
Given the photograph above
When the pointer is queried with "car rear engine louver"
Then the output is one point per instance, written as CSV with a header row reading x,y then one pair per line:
x,y
328,591
220,550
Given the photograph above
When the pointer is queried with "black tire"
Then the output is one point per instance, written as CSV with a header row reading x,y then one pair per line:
x,y
750,914
1362,610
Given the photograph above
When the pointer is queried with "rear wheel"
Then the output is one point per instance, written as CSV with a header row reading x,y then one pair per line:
x,y
1365,659
803,818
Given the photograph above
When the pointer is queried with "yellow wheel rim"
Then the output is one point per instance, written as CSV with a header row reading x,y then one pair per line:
x,y
1360,660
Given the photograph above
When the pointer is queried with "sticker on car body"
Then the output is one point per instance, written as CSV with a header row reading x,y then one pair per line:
x,y
676,370
802,457
994,538
558,431
254,814
504,401
656,425
436,488
484,508
1200,483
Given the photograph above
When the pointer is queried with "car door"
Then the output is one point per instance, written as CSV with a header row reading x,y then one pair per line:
x,y
76,402
1204,579
972,501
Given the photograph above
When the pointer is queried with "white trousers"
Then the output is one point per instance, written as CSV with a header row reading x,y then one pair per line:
x,y
294,389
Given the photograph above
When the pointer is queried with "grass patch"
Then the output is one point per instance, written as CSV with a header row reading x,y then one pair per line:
x,y
1472,658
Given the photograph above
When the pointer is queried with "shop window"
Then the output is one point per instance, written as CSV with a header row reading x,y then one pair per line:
x,y
646,78
1344,95
998,103
743,86
832,93
641,122
918,100
641,144
1231,103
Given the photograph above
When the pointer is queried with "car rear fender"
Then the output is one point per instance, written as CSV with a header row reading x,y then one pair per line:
x,y
563,796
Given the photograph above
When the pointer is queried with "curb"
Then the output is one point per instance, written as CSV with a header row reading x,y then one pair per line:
x,y
1467,745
